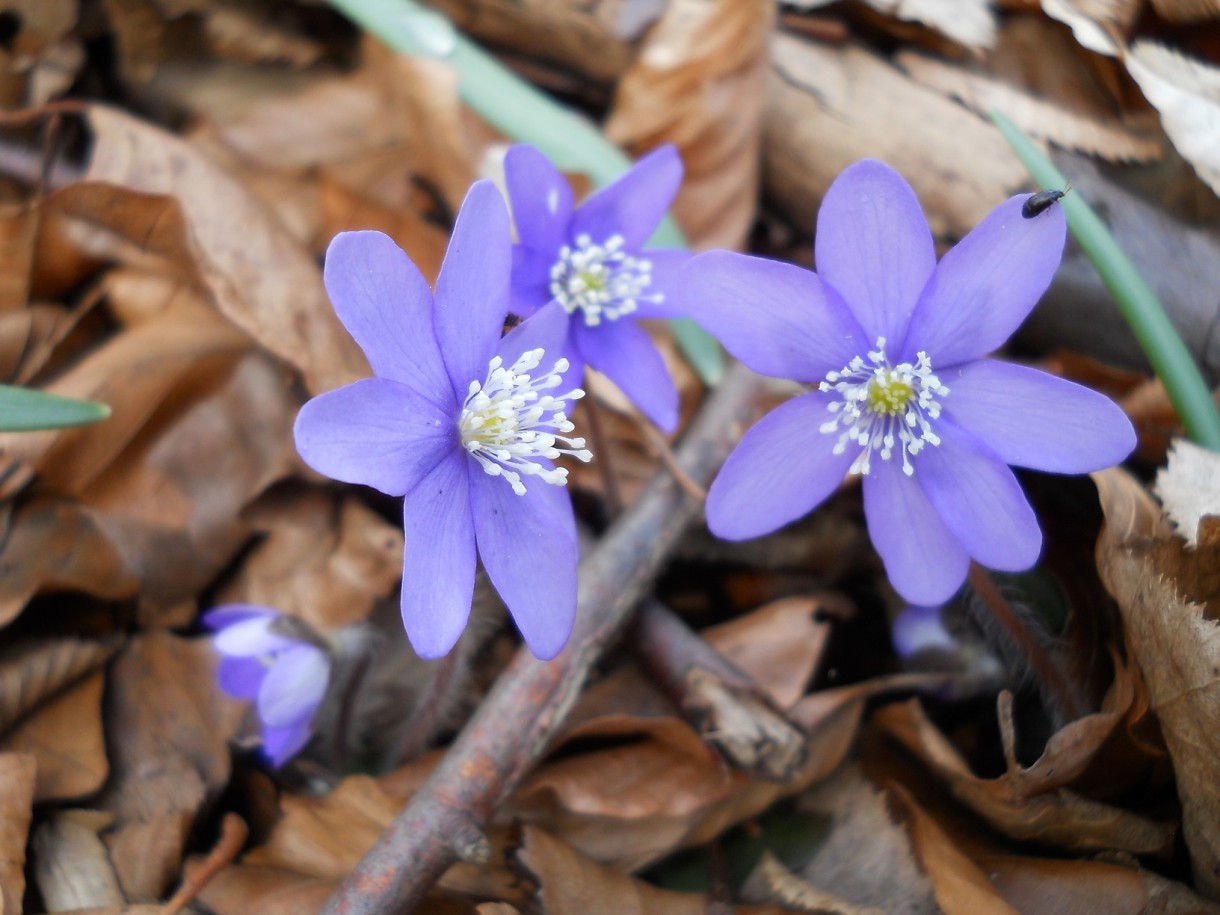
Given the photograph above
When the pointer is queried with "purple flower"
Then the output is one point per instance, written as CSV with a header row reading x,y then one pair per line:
x,y
456,420
893,344
286,676
590,259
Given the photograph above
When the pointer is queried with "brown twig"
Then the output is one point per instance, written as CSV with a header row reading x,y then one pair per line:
x,y
723,703
233,832
516,722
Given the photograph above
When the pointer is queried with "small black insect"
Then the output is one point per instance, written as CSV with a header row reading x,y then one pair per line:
x,y
1041,201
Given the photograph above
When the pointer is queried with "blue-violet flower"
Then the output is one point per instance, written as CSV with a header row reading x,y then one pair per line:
x,y
590,259
893,344
459,421
286,677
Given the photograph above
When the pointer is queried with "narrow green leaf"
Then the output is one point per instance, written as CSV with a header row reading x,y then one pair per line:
x,y
518,110
24,410
1170,358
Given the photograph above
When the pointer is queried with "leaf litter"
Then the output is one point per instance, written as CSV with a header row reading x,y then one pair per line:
x,y
161,251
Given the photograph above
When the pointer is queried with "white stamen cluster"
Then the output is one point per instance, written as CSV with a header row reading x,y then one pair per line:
x,y
884,406
601,281
508,423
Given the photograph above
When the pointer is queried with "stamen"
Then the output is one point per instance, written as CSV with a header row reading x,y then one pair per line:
x,y
507,424
884,406
601,281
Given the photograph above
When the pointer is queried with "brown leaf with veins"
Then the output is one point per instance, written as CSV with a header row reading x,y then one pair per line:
x,y
17,775
36,672
698,83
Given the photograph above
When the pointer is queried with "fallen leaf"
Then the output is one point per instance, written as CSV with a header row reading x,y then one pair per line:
x,y
41,670
71,865
1189,488
17,774
971,23
242,888
1187,10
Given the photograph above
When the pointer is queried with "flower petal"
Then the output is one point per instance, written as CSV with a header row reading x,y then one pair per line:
x,y
250,638
986,286
923,559
472,291
531,283
241,678
778,319
281,744
782,468
874,247
385,304
624,353
541,200
634,205
1032,419
980,500
917,629
666,277
528,547
227,614
438,558
547,330
375,432
294,686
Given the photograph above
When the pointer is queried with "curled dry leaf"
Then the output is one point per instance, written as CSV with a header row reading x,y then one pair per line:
x,y
1095,24
971,23
17,774
1178,649
1189,488
1187,94
697,83
1049,814
241,888
827,107
325,559
172,758
71,866
64,735
1187,10
39,671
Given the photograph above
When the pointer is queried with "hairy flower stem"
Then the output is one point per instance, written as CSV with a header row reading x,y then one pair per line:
x,y
724,705
1050,677
525,709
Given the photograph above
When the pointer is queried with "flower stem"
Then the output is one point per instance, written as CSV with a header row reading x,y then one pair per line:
x,y
1170,358
529,703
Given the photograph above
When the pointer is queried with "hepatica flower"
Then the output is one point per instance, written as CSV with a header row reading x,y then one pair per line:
x,y
461,422
590,260
893,345
286,677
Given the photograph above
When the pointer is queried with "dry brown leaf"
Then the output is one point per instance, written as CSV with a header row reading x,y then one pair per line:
x,y
40,23
34,673
781,885
1046,120
1186,92
698,83
1043,811
1187,10
173,757
569,882
258,276
253,34
17,774
1177,649
325,559
1189,487
241,888
971,23
64,735
71,866
827,107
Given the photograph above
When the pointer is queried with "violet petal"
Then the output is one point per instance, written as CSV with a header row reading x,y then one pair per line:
x,y
666,266
979,500
294,686
250,638
624,353
783,467
1032,419
924,560
528,547
531,283
385,304
777,318
541,200
227,614
874,247
546,329
376,432
438,557
281,744
241,678
634,205
987,285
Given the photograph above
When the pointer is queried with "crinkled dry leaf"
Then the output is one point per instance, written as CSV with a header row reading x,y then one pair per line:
x,y
252,33
18,233
827,107
779,884
698,83
1047,120
1187,94
1177,649
970,22
1187,10
17,774
1046,812
325,559
242,888
71,865
39,23
64,735
1189,487
568,882
1095,24
36,672
170,754
259,277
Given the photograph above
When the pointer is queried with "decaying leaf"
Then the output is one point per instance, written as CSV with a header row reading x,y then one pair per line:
x,y
1189,489
17,775
697,83
1187,10
971,23
37,672
1178,650
71,866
